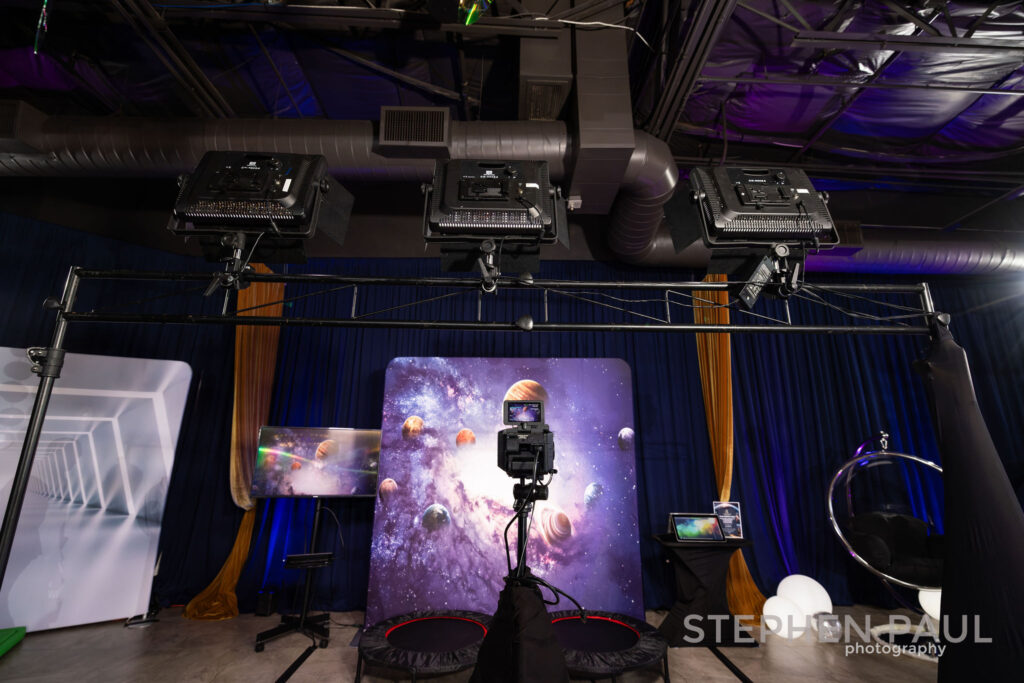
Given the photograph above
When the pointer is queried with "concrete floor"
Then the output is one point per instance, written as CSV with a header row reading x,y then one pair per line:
x,y
177,649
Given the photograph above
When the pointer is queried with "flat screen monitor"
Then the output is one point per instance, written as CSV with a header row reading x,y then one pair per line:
x,y
695,527
316,461
524,412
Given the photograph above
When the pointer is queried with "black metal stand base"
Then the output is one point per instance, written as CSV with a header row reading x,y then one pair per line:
x,y
314,626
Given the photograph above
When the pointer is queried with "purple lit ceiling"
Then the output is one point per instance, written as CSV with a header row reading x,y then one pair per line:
x,y
921,104
910,112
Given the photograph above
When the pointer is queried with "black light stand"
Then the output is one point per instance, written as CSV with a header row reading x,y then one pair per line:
x,y
47,363
315,626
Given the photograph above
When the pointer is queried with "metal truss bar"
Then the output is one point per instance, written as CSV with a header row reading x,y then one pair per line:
x,y
506,283
981,20
491,326
947,44
839,113
911,17
333,17
796,15
827,81
771,17
314,278
399,76
277,72
708,18
958,221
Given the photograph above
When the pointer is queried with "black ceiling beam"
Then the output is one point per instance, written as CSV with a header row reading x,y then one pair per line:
x,y
399,76
770,17
707,19
1006,196
155,32
333,17
277,72
942,44
796,15
981,19
828,81
911,17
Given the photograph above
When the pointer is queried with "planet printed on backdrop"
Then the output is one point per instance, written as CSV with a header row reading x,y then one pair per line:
x,y
387,489
412,427
592,494
555,526
465,437
296,465
270,459
327,448
526,390
435,517
626,437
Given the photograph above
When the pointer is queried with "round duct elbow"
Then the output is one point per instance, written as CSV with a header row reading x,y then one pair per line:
x,y
649,182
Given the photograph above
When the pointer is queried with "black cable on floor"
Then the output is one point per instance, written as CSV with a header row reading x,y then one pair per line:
x,y
729,665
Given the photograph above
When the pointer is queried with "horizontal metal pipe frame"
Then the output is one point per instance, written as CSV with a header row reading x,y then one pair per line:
x,y
485,326
315,278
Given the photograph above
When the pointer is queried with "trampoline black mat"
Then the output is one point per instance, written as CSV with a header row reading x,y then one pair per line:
x,y
436,633
606,644
427,643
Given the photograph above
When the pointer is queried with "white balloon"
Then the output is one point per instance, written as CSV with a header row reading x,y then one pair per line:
x,y
931,603
809,595
783,617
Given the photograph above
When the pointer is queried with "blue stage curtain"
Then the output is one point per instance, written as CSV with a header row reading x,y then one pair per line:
x,y
200,520
803,404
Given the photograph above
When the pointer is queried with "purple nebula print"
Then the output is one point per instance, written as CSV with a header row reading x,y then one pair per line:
x,y
443,503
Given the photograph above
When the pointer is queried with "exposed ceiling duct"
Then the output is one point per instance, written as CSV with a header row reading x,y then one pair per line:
x,y
35,145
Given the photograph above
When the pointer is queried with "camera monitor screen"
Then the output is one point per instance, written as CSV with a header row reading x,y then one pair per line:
x,y
695,527
312,461
524,412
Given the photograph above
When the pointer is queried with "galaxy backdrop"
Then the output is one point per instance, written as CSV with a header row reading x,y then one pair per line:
x,y
443,503
311,461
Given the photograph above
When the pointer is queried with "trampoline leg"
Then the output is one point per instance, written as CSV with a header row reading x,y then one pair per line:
x,y
359,667
665,675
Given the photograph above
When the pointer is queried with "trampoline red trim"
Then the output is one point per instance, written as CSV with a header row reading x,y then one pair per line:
x,y
439,616
594,616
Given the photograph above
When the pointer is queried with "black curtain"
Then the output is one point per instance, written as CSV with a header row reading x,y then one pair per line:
x,y
802,404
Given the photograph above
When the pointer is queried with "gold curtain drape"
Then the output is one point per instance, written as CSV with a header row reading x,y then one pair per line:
x,y
255,361
715,358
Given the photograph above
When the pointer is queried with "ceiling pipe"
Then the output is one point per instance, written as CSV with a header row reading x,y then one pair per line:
x,y
886,251
131,147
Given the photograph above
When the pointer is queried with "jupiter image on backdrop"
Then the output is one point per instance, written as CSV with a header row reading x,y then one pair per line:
x,y
442,501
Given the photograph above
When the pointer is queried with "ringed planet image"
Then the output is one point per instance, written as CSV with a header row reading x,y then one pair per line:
x,y
526,390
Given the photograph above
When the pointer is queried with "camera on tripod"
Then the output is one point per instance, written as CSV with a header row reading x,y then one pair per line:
x,y
526,450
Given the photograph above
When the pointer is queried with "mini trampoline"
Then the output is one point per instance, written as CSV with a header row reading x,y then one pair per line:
x,y
423,644
608,644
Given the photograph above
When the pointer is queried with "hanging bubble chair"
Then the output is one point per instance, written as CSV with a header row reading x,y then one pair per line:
x,y
886,509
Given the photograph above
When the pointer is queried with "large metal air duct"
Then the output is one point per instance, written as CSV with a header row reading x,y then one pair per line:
x,y
32,144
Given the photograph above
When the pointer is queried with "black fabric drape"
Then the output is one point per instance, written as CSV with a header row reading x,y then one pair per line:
x,y
982,593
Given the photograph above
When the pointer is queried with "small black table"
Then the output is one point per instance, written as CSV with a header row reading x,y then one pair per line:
x,y
700,569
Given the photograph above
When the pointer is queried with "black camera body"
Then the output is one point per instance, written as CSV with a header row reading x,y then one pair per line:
x,y
520,448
